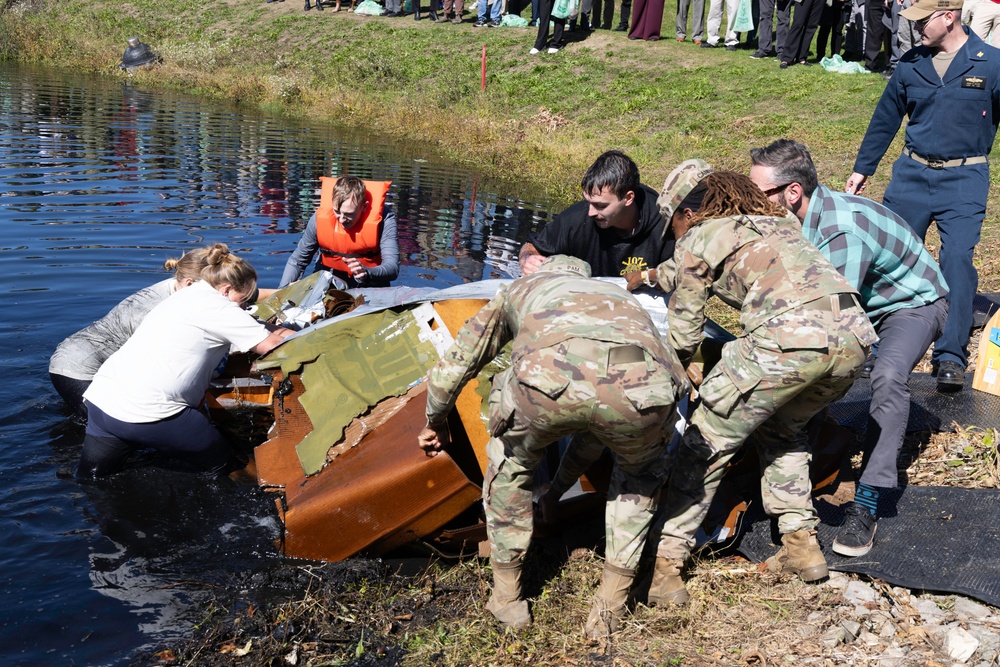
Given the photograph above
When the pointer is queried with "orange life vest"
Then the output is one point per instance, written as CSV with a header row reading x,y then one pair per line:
x,y
361,240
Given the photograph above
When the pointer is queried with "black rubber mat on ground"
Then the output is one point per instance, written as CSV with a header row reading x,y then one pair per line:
x,y
932,538
983,307
930,410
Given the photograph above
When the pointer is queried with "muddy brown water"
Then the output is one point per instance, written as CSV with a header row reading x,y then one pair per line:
x,y
100,181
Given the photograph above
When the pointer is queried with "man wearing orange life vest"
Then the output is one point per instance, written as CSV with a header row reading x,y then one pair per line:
x,y
354,231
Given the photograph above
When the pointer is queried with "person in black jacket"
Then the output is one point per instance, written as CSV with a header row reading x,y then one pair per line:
x,y
617,228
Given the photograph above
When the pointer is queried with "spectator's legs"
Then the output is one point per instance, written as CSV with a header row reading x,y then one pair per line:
x,y
732,39
697,20
907,40
609,14
874,35
812,9
765,27
682,17
544,16
714,21
968,10
985,20
626,11
854,30
837,42
783,10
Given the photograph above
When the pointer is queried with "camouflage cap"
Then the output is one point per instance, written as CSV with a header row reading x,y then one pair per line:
x,y
679,184
565,264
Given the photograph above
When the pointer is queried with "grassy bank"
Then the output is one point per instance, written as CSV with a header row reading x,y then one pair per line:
x,y
541,119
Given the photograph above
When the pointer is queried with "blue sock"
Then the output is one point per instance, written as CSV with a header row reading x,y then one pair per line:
x,y
866,496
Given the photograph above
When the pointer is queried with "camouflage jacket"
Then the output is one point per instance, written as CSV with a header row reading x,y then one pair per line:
x,y
537,312
760,265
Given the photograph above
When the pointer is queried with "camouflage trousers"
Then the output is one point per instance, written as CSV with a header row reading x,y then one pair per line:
x,y
559,391
759,388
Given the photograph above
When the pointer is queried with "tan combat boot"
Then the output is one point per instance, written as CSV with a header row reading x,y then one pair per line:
x,y
505,602
609,602
801,555
668,587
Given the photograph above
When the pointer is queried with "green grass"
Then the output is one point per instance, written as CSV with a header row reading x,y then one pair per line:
x,y
662,102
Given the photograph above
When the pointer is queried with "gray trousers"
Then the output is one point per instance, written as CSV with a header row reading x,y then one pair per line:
x,y
393,5
906,35
697,8
904,337
854,32
765,29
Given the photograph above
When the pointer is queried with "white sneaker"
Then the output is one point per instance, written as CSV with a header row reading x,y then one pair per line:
x,y
533,52
553,50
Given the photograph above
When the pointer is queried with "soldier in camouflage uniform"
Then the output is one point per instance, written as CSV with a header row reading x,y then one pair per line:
x,y
586,359
804,341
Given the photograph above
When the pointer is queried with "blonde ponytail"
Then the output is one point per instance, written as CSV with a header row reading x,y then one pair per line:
x,y
189,265
223,267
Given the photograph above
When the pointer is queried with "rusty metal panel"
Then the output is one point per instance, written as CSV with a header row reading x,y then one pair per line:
x,y
381,494
376,489
277,464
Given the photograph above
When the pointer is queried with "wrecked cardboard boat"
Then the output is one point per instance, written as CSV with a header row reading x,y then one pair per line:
x,y
348,402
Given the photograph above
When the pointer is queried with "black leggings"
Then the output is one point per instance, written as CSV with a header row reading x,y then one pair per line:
x,y
545,14
189,434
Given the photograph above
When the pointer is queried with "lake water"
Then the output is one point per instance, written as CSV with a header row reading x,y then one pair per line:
x,y
100,182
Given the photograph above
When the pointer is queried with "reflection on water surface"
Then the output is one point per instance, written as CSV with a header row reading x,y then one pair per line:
x,y
99,183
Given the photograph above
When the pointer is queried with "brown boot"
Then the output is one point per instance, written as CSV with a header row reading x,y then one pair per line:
x,y
800,554
609,601
505,602
668,587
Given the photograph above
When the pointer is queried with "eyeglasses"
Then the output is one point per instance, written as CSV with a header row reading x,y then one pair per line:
x,y
921,25
775,190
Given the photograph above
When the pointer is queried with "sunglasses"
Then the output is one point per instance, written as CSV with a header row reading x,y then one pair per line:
x,y
922,23
775,190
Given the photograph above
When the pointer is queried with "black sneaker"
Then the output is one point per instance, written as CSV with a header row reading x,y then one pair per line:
x,y
481,23
758,55
494,24
857,534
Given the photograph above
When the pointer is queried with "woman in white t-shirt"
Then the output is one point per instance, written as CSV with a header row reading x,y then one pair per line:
x,y
77,358
147,394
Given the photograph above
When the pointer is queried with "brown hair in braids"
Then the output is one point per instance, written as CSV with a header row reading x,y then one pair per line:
x,y
224,267
724,194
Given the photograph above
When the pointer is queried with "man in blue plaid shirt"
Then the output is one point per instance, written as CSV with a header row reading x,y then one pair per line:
x,y
902,291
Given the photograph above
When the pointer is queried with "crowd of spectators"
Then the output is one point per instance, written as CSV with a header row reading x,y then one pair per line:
x,y
869,31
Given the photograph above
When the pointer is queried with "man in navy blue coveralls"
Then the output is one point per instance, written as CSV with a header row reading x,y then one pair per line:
x,y
943,174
